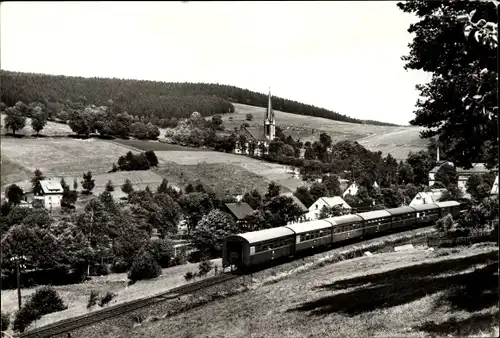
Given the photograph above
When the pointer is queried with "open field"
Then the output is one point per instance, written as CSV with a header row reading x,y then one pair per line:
x,y
399,140
12,172
63,156
269,171
153,145
447,292
50,129
76,296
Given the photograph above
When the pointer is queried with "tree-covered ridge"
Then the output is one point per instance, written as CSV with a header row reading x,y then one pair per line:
x,y
148,98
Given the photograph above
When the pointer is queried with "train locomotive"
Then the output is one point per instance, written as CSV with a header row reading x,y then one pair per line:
x,y
254,248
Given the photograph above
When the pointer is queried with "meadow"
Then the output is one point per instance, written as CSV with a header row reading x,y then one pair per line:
x,y
50,129
397,140
447,292
268,171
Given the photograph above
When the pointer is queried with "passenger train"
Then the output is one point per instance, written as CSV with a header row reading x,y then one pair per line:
x,y
259,247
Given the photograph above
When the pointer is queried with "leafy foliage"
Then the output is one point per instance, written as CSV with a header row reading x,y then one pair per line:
x,y
92,299
108,297
14,120
88,183
460,102
211,231
127,187
447,174
14,194
144,267
5,320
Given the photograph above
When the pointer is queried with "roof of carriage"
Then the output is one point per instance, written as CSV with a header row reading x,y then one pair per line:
x,y
264,235
300,228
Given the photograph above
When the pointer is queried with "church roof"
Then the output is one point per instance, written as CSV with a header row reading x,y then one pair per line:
x,y
254,133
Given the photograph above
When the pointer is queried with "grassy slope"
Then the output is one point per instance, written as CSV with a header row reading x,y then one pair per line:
x,y
413,293
76,296
397,140
50,129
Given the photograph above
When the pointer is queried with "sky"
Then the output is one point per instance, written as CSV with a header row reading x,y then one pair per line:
x,y
342,56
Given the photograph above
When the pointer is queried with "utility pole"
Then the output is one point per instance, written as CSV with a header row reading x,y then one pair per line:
x,y
18,275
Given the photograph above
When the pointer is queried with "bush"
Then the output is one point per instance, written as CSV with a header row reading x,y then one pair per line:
x,y
204,267
92,299
5,320
161,250
445,224
151,157
189,276
144,267
44,301
106,298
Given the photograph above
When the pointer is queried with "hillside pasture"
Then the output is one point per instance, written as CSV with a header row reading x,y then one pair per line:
x,y
63,156
50,129
267,171
397,140
12,172
222,178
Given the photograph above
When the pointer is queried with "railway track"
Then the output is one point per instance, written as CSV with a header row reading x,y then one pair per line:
x,y
70,324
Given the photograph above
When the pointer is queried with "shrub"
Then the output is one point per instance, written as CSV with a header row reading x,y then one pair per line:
x,y
44,301
204,267
106,298
92,299
445,224
151,157
5,320
144,267
189,276
161,250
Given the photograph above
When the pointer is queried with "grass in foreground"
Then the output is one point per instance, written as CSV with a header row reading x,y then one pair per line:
x,y
76,296
414,293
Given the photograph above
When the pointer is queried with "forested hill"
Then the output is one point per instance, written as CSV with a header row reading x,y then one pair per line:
x,y
148,98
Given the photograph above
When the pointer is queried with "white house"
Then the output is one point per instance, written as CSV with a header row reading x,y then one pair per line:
x,y
427,197
48,193
352,190
315,208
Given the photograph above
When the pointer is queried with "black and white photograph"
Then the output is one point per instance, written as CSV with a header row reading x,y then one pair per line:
x,y
293,169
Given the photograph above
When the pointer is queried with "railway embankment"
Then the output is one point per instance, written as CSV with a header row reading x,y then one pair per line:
x,y
171,307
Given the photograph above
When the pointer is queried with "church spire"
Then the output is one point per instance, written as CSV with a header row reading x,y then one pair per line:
x,y
269,122
270,113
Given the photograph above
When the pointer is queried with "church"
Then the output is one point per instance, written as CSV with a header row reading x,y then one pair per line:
x,y
255,140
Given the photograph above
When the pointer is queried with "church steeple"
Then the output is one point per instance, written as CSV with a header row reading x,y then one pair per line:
x,y
269,121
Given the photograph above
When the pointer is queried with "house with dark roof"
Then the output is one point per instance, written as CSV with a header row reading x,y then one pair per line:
x,y
255,140
238,210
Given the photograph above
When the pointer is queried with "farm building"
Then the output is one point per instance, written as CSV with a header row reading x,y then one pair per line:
x,y
315,208
257,138
48,193
239,210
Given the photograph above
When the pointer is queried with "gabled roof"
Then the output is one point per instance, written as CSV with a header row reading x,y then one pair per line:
x,y
254,133
296,201
336,200
430,197
300,228
239,210
51,186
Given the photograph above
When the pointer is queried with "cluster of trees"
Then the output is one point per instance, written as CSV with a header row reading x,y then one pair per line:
x,y
16,116
162,99
131,162
459,105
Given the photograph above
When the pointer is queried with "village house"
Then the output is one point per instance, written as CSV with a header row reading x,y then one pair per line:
x,y
315,208
258,138
352,190
48,194
430,197
239,210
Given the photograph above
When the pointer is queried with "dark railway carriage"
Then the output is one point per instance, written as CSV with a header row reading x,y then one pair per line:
x,y
312,234
375,221
253,248
346,227
449,207
402,217
426,213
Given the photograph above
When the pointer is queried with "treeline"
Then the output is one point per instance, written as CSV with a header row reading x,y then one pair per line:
x,y
148,98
